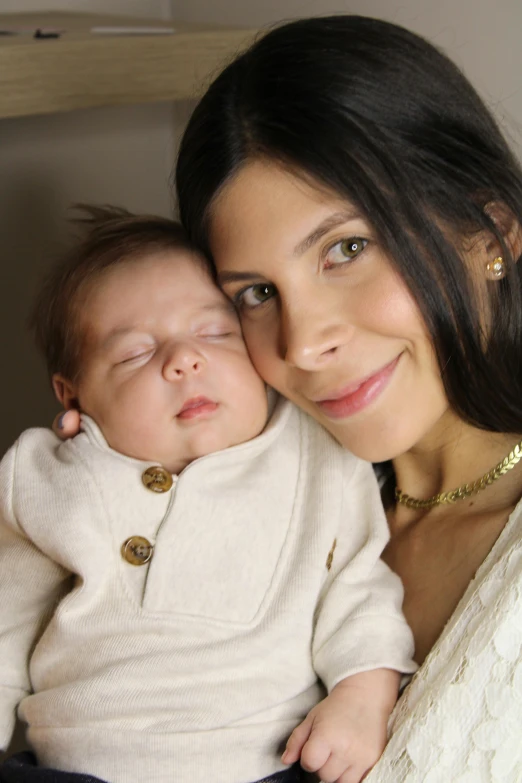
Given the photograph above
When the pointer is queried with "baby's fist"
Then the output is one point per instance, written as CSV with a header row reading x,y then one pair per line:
x,y
344,735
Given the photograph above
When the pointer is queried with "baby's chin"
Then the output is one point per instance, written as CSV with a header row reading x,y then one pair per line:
x,y
176,464
187,447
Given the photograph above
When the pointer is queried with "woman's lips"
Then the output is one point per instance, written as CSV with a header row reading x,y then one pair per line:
x,y
196,408
358,396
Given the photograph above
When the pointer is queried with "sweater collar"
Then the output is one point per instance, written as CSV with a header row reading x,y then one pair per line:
x,y
280,409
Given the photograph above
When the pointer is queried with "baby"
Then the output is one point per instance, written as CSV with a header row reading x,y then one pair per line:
x,y
183,582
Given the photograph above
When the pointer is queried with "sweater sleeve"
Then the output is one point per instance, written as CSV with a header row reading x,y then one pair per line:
x,y
30,584
359,622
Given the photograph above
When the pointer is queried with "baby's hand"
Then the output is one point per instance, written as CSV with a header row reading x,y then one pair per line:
x,y
344,735
67,424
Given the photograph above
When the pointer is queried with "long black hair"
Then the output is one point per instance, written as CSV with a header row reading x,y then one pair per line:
x,y
381,117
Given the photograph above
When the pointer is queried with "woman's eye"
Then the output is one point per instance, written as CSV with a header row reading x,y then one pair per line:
x,y
255,295
344,251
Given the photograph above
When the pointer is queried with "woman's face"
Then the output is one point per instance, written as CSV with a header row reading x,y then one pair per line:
x,y
327,320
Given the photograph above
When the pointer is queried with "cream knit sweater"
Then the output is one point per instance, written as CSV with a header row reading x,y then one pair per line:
x,y
197,666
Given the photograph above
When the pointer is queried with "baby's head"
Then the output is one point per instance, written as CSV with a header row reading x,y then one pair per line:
x,y
137,335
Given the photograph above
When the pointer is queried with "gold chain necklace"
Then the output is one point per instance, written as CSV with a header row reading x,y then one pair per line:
x,y
466,490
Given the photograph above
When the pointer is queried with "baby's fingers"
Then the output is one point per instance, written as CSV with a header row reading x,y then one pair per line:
x,y
338,769
315,753
296,741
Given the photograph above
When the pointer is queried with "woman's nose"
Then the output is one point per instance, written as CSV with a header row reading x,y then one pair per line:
x,y
311,337
183,360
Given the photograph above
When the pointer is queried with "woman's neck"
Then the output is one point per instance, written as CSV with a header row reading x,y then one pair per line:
x,y
452,454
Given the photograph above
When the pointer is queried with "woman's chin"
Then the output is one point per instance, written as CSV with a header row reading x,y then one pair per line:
x,y
372,441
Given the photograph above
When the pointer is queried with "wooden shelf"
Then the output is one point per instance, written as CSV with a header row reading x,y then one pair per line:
x,y
83,69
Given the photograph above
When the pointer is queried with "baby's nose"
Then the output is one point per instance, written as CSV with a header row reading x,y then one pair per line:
x,y
183,360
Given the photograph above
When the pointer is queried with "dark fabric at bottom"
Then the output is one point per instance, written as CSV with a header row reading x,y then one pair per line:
x,y
22,768
293,774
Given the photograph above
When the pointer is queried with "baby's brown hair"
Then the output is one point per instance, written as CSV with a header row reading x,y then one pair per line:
x,y
113,236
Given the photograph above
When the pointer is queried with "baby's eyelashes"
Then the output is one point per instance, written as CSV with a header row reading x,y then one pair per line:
x,y
136,357
219,335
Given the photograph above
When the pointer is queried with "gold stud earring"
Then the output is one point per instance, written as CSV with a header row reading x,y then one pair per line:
x,y
496,269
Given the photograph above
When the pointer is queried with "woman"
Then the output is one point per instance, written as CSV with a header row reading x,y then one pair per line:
x,y
364,213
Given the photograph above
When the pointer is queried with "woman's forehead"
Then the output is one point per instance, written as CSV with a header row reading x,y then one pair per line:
x,y
266,205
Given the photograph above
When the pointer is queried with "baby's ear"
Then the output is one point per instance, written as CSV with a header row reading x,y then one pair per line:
x,y
65,391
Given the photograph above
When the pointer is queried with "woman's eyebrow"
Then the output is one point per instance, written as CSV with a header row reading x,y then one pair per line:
x,y
332,221
235,277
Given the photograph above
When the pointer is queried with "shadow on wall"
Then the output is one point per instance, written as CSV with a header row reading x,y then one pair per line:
x,y
32,229
34,232
30,232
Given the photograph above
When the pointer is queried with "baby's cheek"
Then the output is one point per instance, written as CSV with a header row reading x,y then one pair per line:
x,y
128,420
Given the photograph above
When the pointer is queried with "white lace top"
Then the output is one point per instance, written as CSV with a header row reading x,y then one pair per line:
x,y
460,719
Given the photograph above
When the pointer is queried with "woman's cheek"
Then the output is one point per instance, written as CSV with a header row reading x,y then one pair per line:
x,y
263,352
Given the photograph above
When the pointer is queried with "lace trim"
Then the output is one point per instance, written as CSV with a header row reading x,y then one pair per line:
x,y
460,719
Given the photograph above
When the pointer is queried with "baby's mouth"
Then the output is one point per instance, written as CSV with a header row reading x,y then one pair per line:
x,y
195,407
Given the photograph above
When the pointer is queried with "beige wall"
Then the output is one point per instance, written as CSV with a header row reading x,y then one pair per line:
x,y
155,9
482,36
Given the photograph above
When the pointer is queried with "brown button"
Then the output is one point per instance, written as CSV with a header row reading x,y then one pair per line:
x,y
157,479
136,550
